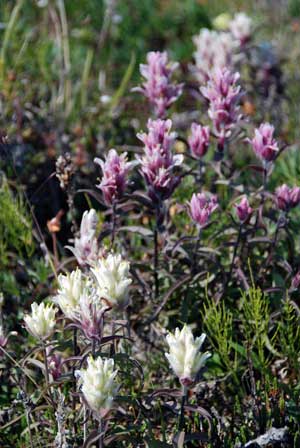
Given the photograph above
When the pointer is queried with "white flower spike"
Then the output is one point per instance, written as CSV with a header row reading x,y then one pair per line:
x,y
112,276
40,323
184,356
98,383
71,287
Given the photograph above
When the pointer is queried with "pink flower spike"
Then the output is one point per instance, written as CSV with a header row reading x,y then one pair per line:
x,y
287,198
223,94
158,87
199,140
243,209
263,143
114,179
158,162
201,207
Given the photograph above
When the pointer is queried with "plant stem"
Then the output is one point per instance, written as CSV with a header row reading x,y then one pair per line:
x,y
194,262
100,442
183,401
235,252
156,283
47,371
93,347
75,351
114,221
29,429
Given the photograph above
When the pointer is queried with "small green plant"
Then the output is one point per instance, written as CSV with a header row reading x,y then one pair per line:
x,y
15,224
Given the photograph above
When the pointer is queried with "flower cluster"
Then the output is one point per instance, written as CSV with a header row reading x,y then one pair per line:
x,y
223,94
287,197
243,210
88,315
201,207
40,323
98,383
70,289
86,246
214,50
113,280
158,162
241,27
199,140
264,144
114,179
184,354
158,87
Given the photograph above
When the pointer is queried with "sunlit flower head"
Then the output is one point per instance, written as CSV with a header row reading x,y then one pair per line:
x,y
41,322
184,354
98,383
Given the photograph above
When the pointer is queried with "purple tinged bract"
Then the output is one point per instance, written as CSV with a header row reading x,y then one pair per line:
x,y
243,209
158,161
199,140
158,87
287,197
202,206
114,175
264,144
223,94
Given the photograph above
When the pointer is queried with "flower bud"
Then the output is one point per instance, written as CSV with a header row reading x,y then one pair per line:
x,y
201,207
86,246
98,383
114,179
112,276
199,140
184,356
263,143
40,323
243,209
287,198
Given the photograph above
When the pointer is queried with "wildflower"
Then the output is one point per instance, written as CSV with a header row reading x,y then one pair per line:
x,y
41,322
114,179
243,209
88,316
158,87
98,383
184,354
264,144
287,198
86,246
71,286
199,140
112,276
55,363
295,282
158,162
241,27
65,170
223,95
214,50
201,207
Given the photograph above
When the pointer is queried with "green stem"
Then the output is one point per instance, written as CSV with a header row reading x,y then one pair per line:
x,y
183,401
